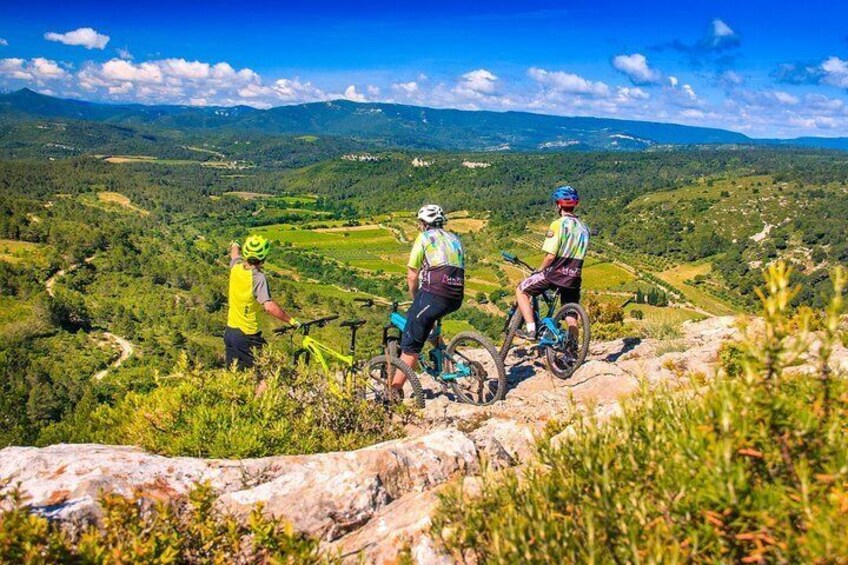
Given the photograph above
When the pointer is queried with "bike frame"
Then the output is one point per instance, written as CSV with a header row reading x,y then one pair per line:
x,y
553,336
434,366
318,350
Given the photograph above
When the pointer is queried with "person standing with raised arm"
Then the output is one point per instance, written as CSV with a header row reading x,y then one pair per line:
x,y
248,290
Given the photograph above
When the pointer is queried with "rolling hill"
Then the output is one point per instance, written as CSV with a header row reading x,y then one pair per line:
x,y
395,125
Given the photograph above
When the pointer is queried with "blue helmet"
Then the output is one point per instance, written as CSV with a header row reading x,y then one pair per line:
x,y
566,196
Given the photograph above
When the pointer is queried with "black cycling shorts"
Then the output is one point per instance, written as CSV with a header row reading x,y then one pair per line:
x,y
426,310
537,283
241,347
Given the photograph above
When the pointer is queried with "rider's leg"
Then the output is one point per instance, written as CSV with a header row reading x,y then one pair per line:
x,y
525,307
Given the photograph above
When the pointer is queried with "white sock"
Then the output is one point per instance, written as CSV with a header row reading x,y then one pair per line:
x,y
531,328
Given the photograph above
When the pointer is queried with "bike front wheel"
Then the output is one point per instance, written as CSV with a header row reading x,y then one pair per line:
x,y
477,370
563,360
379,373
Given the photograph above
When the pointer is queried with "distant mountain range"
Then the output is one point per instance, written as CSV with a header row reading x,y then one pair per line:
x,y
395,125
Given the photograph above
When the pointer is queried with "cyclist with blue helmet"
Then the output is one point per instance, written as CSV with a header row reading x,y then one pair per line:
x,y
248,291
565,247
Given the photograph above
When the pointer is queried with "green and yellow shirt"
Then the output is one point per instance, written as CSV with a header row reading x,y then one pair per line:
x,y
248,291
568,240
439,256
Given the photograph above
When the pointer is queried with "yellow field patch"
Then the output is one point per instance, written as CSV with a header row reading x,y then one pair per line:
x,y
677,277
467,225
119,159
13,251
120,200
365,227
248,195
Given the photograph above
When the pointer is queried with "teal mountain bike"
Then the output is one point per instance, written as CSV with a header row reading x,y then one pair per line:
x,y
469,365
565,345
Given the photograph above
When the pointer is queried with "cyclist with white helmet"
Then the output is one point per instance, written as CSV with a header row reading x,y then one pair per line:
x,y
436,281
247,291
565,247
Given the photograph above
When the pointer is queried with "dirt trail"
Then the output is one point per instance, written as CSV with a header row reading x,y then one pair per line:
x,y
123,344
127,349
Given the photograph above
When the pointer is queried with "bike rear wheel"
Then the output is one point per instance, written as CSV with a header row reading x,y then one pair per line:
x,y
512,328
487,382
563,360
377,382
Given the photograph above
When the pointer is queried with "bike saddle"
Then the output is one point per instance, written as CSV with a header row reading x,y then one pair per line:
x,y
353,323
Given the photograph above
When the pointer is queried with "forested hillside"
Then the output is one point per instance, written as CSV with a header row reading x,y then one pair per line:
x,y
134,245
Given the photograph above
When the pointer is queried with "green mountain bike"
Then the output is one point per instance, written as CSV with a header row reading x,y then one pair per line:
x,y
345,373
469,364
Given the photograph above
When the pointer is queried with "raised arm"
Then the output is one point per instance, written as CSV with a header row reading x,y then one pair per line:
x,y
235,250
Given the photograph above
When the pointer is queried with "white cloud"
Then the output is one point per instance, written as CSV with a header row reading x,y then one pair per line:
x,y
690,92
672,81
636,67
372,90
476,84
37,69
835,72
409,88
721,29
785,98
14,68
3,42
626,94
351,94
124,54
84,37
293,90
568,83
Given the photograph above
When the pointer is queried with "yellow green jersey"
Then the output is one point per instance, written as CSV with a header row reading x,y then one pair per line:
x,y
568,240
439,256
247,293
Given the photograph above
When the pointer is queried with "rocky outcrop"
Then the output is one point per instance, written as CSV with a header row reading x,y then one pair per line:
x,y
371,502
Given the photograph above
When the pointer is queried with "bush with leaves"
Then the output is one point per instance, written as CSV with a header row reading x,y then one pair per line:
x,y
203,413
135,530
752,468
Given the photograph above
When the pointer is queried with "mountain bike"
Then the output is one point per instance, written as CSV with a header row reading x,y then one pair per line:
x,y
357,376
565,346
469,364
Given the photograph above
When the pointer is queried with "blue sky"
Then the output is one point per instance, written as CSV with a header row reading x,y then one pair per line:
x,y
762,68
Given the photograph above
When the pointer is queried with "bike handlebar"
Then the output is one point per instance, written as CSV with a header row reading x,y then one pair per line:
x,y
514,260
370,302
320,322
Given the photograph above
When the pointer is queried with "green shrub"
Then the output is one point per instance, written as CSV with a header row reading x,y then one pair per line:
x,y
135,530
753,469
222,414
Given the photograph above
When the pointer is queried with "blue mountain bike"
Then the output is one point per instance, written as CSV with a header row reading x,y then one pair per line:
x,y
469,364
563,333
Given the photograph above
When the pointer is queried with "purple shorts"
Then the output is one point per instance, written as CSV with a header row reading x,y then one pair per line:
x,y
537,283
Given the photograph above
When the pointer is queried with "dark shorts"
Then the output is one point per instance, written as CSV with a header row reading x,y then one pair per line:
x,y
241,347
426,310
537,283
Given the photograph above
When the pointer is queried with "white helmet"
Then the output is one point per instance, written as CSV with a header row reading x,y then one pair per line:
x,y
432,215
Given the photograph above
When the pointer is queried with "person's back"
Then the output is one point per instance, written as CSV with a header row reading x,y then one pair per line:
x,y
248,291
436,280
567,239
565,248
439,255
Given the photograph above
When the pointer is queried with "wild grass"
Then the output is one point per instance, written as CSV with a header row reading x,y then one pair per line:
x,y
751,467
187,530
